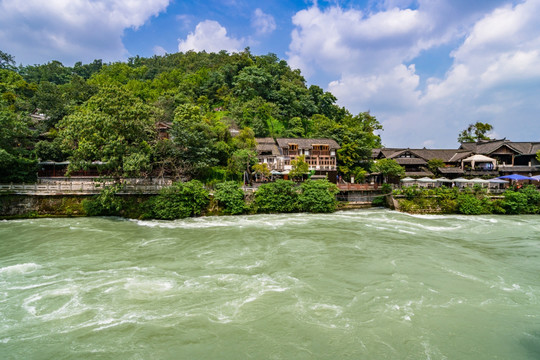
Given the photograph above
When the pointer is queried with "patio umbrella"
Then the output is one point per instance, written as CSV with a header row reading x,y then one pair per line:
x,y
498,181
461,180
516,177
537,177
443,179
407,179
426,180
478,181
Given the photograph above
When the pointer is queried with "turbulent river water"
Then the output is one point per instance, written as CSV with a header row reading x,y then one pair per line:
x,y
370,284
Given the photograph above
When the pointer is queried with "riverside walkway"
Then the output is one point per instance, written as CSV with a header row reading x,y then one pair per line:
x,y
78,187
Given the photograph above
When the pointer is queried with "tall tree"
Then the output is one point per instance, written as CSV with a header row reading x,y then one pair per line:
x,y
7,61
195,139
113,127
475,132
388,168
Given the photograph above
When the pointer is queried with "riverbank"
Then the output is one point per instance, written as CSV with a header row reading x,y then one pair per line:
x,y
184,199
468,201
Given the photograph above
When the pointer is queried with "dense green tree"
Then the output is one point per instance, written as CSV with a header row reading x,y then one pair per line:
x,y
242,162
475,132
180,200
388,168
230,197
318,196
262,170
299,167
113,127
7,61
434,165
280,196
54,72
195,139
17,164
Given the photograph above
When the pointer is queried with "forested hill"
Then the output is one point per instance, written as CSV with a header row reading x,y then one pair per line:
x,y
107,113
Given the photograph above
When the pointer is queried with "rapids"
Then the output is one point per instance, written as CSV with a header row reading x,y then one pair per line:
x,y
367,284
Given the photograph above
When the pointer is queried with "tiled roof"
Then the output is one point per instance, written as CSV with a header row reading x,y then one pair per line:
x,y
491,146
306,143
446,155
419,173
267,145
518,168
410,161
450,170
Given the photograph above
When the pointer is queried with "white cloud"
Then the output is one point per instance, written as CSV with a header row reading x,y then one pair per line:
x,y
39,31
210,36
263,23
159,50
493,78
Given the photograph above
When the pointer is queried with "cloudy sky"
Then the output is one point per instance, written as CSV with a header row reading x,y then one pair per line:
x,y
425,68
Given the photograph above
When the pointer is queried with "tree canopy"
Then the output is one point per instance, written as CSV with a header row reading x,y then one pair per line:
x,y
110,113
475,132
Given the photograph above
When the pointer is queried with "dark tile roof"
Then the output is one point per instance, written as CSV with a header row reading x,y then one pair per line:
x,y
450,170
418,173
518,168
491,146
460,156
306,143
410,161
445,155
267,145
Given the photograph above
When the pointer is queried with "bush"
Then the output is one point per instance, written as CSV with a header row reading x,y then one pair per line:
x,y
230,197
107,203
180,200
533,199
471,205
379,201
277,197
515,202
318,196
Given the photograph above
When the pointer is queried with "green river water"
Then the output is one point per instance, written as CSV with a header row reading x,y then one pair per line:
x,y
367,284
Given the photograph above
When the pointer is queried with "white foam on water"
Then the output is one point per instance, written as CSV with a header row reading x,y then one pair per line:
x,y
37,304
141,287
25,268
240,221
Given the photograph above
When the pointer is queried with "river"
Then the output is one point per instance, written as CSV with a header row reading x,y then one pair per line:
x,y
366,284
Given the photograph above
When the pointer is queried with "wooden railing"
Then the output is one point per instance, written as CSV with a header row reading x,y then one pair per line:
x,y
74,188
357,187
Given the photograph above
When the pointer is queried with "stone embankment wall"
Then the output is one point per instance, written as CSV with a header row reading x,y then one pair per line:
x,y
24,206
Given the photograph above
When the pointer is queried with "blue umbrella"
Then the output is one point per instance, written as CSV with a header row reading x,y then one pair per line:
x,y
516,177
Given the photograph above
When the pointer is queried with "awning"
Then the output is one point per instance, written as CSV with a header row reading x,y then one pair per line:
x,y
407,179
498,181
479,181
479,159
516,177
426,180
443,179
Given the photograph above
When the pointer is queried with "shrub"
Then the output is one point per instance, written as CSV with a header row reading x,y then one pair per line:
x,y
533,199
180,200
277,197
230,197
470,205
515,202
107,203
318,196
379,201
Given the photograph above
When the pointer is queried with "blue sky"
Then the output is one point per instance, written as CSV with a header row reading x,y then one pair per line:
x,y
425,68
